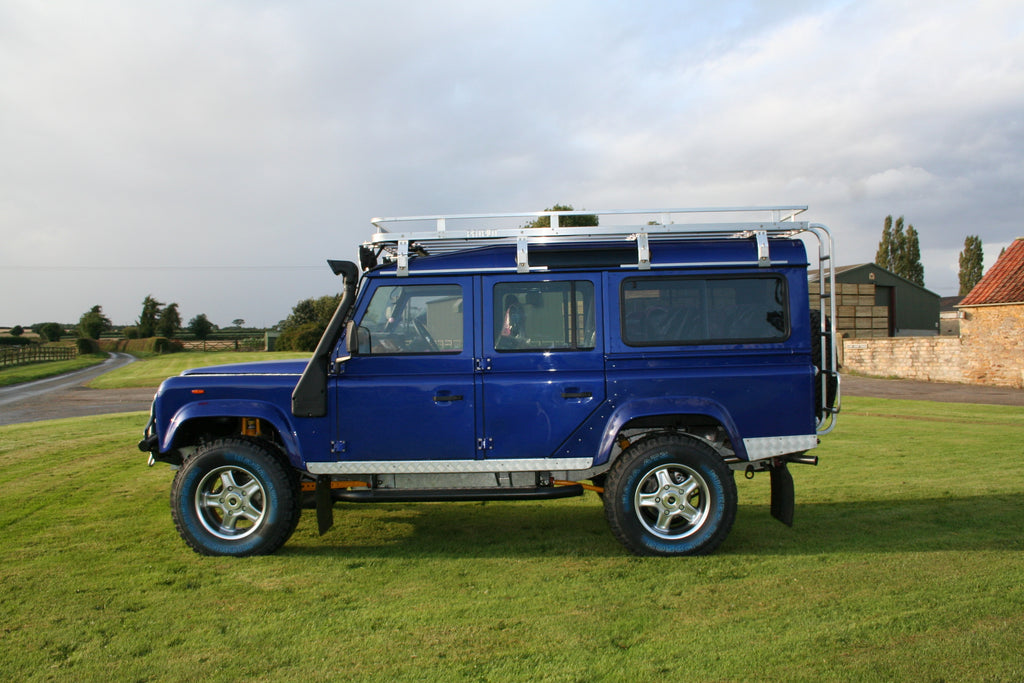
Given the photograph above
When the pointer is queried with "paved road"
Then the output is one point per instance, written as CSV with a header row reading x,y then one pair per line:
x,y
67,396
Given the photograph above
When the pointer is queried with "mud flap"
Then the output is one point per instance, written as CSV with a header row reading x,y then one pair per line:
x,y
783,495
325,506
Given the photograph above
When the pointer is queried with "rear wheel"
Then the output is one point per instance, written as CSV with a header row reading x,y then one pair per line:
x,y
234,497
670,495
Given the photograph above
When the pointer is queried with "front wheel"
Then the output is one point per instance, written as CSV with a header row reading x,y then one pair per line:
x,y
234,497
670,495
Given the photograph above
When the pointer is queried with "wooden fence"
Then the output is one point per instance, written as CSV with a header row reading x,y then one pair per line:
x,y
33,353
248,344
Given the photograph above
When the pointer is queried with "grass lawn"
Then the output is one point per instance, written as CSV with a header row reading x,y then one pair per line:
x,y
906,562
17,374
150,371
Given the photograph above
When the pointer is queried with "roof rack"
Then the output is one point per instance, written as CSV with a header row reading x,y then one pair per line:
x,y
480,230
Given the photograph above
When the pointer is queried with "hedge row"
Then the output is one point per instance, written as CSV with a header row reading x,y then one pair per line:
x,y
147,345
18,341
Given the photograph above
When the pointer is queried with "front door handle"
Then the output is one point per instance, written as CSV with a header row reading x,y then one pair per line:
x,y
576,394
446,398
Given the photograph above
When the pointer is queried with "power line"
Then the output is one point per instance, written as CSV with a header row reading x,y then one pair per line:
x,y
151,267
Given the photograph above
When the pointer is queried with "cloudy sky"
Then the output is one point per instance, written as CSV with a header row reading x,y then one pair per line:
x,y
215,153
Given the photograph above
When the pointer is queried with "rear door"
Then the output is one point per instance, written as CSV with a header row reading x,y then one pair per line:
x,y
542,364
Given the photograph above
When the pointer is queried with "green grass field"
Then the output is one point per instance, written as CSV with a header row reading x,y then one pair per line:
x,y
906,562
149,372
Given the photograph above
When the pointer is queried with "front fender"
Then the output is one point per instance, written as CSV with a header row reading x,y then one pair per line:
x,y
234,408
653,407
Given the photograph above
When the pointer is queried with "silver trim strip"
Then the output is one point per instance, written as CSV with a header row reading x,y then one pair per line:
x,y
448,466
770,446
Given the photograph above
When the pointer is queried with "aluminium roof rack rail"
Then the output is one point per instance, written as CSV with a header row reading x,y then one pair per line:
x,y
443,234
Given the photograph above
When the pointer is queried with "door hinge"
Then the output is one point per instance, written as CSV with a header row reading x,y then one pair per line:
x,y
485,444
482,364
337,447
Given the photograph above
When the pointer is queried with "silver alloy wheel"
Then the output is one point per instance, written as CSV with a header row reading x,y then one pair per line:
x,y
672,501
230,502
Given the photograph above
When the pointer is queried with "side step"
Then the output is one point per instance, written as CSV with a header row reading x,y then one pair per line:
x,y
437,495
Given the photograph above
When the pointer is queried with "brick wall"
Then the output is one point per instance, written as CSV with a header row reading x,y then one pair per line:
x,y
989,350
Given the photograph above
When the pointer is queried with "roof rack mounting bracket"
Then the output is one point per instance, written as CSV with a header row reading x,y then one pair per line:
x,y
763,258
403,258
643,251
522,254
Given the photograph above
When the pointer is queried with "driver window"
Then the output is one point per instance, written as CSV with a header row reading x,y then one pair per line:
x,y
413,319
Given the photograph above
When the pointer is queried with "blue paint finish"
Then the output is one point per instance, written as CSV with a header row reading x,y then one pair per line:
x,y
486,400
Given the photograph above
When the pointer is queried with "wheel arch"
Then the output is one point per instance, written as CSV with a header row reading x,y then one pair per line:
x,y
194,419
663,414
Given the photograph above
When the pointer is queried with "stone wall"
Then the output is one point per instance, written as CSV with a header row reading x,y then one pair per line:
x,y
993,342
930,359
989,350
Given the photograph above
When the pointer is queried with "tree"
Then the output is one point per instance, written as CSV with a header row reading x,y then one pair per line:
x,y
883,257
899,252
17,331
149,317
563,221
200,326
93,323
306,324
911,266
49,331
238,322
972,260
170,321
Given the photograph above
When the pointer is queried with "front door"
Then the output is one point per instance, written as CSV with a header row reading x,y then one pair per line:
x,y
542,363
409,394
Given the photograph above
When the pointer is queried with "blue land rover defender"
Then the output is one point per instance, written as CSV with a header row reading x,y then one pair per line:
x,y
647,355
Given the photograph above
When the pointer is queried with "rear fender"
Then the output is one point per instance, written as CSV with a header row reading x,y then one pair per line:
x,y
655,407
232,408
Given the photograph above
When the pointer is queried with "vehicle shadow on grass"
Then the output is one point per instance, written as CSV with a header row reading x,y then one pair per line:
x,y
476,530
469,530
970,523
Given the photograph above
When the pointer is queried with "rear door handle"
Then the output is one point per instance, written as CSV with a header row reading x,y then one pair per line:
x,y
576,394
446,398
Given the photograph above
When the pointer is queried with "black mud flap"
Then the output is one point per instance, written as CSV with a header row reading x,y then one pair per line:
x,y
783,495
325,506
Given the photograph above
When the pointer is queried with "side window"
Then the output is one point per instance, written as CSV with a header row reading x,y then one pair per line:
x,y
407,319
674,311
532,316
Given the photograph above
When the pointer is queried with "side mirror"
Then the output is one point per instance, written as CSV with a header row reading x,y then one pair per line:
x,y
357,339
351,341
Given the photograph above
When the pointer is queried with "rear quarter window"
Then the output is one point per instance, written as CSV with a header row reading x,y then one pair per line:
x,y
671,311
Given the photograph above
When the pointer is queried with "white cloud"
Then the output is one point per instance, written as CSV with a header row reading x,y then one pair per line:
x,y
261,133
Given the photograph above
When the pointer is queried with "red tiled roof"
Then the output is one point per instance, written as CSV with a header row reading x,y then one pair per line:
x,y
1004,282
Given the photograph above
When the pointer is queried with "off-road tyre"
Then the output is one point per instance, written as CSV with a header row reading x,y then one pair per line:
x,y
670,495
235,497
